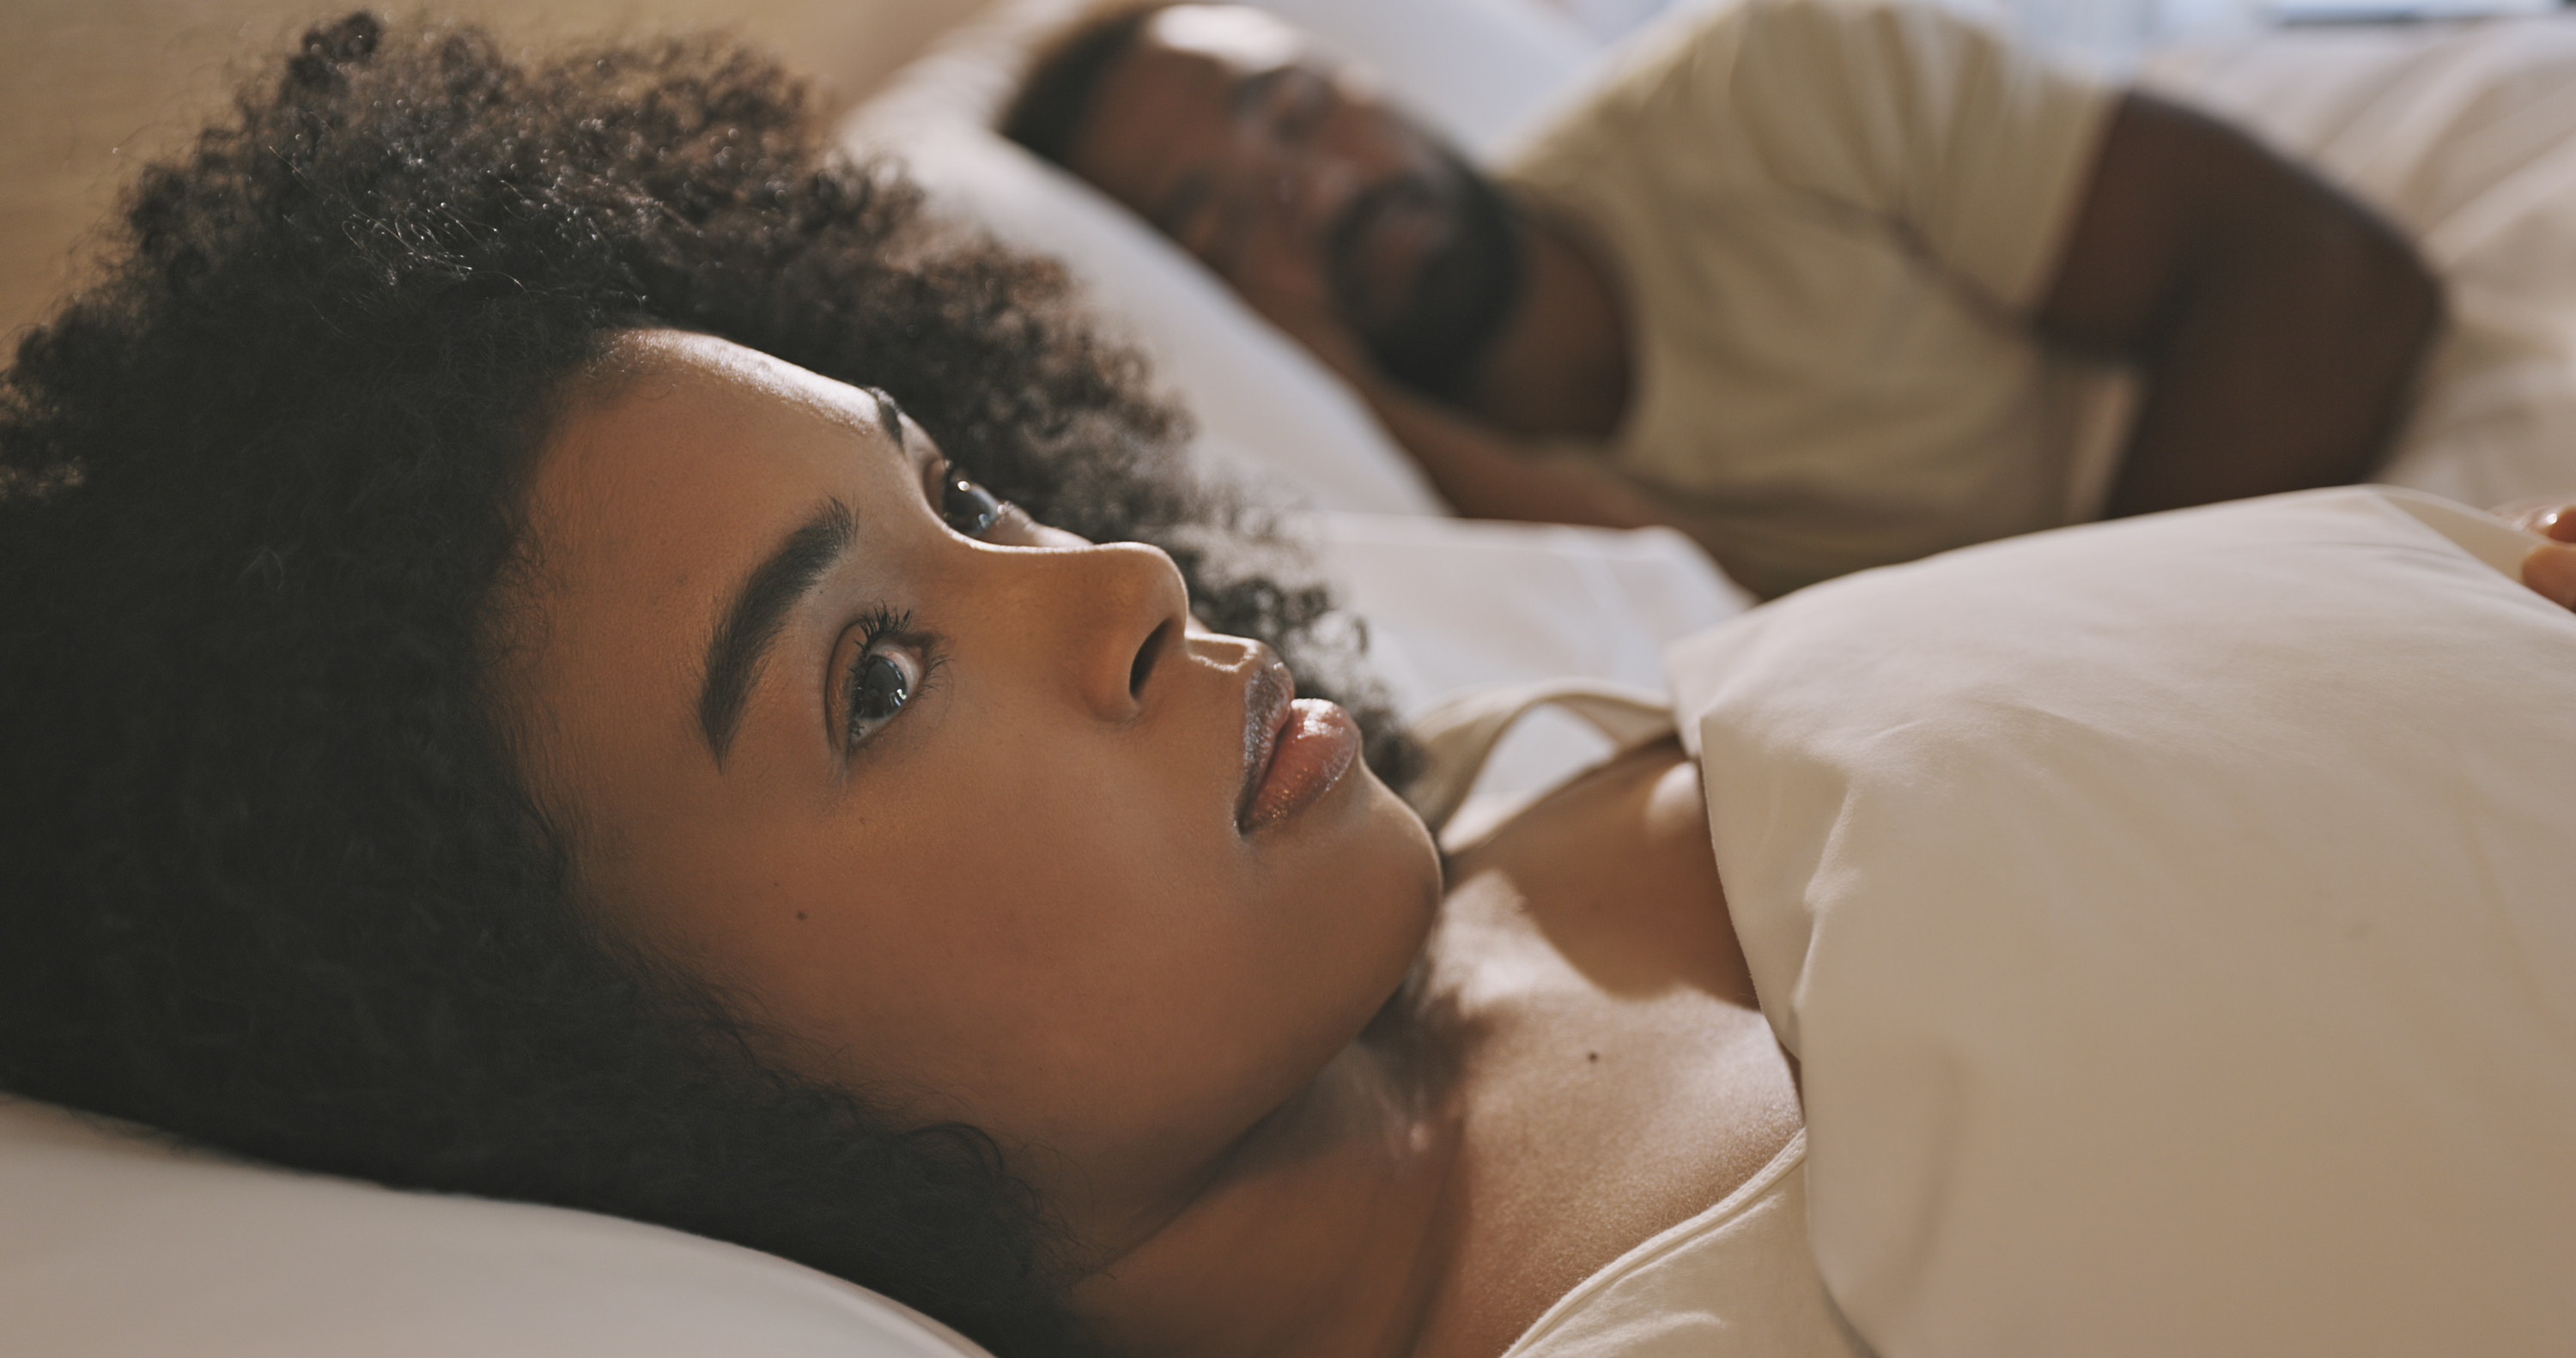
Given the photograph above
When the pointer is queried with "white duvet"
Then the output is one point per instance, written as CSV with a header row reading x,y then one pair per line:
x,y
2176,920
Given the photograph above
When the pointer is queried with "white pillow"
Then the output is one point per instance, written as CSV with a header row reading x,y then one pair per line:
x,y
1479,68
1475,69
111,1244
2176,919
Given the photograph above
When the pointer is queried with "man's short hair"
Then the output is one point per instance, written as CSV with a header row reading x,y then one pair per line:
x,y
1056,93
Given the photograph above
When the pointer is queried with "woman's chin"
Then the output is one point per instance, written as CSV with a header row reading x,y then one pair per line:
x,y
1414,854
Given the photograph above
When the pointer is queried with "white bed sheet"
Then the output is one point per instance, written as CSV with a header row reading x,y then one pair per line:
x,y
1453,604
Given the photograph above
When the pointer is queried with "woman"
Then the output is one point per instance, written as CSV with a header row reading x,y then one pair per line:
x,y
569,648
958,932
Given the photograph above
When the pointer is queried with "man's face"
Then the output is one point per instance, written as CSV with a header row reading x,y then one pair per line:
x,y
1287,174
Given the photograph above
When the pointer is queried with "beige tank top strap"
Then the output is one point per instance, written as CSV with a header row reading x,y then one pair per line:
x,y
1458,733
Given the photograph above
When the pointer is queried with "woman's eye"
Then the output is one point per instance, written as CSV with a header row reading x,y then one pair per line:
x,y
969,508
880,682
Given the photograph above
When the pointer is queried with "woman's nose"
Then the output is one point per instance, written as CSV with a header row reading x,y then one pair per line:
x,y
1116,611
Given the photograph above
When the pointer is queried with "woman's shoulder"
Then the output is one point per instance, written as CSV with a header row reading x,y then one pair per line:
x,y
1613,868
1585,963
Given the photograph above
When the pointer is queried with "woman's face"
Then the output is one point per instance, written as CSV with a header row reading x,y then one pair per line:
x,y
975,817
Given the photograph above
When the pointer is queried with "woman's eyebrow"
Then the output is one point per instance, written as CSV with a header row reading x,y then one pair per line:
x,y
889,416
759,610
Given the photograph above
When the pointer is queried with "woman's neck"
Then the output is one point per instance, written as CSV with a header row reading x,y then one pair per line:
x,y
1439,1184
1324,1231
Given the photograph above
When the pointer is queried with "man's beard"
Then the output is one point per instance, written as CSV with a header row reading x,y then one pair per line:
x,y
1437,335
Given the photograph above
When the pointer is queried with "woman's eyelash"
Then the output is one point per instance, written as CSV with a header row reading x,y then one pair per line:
x,y
881,621
883,680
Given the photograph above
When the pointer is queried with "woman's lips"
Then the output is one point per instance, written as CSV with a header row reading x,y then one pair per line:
x,y
1295,749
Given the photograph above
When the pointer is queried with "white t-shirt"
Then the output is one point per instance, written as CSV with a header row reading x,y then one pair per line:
x,y
1830,219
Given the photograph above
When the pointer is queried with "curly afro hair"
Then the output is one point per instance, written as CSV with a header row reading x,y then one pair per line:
x,y
269,877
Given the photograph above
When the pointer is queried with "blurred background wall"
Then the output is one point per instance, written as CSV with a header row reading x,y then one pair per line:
x,y
91,88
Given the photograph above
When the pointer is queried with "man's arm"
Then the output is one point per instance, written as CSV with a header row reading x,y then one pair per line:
x,y
1483,472
2279,322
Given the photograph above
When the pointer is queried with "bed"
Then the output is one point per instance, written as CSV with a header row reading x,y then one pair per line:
x,y
117,1243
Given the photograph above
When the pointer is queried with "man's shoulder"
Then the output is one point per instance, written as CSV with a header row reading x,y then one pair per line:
x,y
1683,68
1635,89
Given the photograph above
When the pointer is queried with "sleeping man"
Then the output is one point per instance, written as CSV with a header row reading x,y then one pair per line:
x,y
1825,284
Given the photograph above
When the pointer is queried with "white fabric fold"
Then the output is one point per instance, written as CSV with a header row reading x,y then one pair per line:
x,y
2176,920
